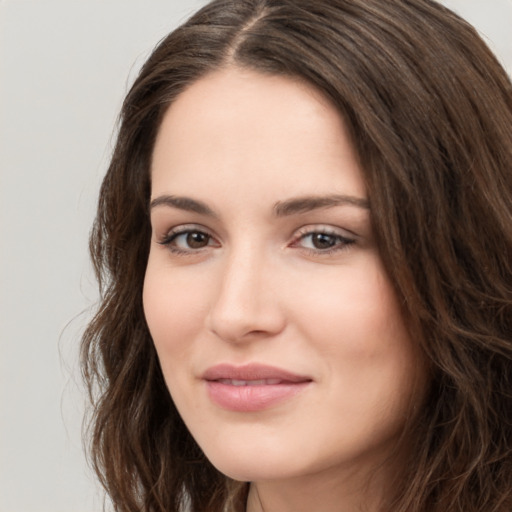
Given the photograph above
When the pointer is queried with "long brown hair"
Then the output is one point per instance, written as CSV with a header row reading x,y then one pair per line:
x,y
429,110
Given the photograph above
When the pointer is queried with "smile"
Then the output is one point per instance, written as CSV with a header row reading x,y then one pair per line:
x,y
252,388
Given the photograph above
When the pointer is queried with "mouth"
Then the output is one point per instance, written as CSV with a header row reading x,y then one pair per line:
x,y
260,382
253,387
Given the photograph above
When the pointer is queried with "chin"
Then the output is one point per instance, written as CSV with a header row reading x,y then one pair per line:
x,y
256,470
250,461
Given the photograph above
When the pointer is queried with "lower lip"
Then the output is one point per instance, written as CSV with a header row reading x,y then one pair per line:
x,y
252,398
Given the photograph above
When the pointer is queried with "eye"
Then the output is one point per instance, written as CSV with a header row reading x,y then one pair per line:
x,y
187,240
322,241
191,240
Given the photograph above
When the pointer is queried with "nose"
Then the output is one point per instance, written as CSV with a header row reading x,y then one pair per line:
x,y
246,304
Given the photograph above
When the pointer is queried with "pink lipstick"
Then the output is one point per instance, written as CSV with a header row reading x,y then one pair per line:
x,y
252,387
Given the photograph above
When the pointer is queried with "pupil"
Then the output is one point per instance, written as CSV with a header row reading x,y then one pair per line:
x,y
323,241
197,240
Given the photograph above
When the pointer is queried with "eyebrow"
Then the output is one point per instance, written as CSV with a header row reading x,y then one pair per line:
x,y
308,203
281,208
183,203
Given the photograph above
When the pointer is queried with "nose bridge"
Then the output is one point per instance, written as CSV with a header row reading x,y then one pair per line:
x,y
246,301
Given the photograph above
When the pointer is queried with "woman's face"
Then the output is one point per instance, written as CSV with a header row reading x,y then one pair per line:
x,y
278,332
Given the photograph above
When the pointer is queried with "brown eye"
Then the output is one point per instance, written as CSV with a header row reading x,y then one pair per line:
x,y
197,240
188,240
323,240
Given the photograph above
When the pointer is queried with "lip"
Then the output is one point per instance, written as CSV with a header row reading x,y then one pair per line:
x,y
252,387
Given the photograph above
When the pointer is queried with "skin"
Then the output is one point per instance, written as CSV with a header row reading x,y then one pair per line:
x,y
244,284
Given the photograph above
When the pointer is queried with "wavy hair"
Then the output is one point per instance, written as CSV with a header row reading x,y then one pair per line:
x,y
429,111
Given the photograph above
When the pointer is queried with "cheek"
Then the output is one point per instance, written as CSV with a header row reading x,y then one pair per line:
x,y
354,310
173,308
358,329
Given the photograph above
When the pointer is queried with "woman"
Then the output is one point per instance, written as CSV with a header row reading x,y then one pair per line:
x,y
304,247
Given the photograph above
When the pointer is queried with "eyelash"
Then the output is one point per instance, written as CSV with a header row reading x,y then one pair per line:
x,y
171,237
340,242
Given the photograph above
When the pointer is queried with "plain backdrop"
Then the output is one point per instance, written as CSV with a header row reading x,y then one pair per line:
x,y
65,66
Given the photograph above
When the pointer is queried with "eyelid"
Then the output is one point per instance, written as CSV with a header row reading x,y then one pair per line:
x,y
170,235
347,238
324,228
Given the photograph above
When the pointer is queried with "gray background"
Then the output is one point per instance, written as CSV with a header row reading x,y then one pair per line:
x,y
65,66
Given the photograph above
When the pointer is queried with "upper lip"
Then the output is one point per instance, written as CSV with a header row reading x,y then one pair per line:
x,y
253,371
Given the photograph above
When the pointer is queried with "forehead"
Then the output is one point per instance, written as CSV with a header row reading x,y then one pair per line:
x,y
244,127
